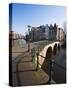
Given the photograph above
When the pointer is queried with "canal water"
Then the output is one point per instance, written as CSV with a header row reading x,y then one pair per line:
x,y
19,42
56,69
59,67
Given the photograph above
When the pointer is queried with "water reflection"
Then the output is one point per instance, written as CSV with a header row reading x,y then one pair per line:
x,y
19,42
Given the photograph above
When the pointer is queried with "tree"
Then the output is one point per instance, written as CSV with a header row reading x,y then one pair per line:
x,y
29,37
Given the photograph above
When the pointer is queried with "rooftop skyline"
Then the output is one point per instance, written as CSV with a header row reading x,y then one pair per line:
x,y
36,15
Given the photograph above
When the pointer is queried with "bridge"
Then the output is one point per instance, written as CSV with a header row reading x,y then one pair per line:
x,y
33,67
49,51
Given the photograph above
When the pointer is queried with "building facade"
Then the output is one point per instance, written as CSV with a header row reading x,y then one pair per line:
x,y
39,33
60,34
51,32
46,32
55,31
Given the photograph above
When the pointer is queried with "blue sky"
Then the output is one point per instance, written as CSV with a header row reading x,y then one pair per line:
x,y
36,15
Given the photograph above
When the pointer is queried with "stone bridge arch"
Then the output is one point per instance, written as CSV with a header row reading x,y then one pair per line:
x,y
46,64
59,46
47,53
55,48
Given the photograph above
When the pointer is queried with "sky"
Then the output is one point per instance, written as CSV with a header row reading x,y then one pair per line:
x,y
36,15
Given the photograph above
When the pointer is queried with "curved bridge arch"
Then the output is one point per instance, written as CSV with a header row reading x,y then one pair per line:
x,y
46,64
55,48
47,52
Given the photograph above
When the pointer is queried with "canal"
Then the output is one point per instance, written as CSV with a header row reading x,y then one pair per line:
x,y
59,67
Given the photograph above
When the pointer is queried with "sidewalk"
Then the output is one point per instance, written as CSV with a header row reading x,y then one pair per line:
x,y
24,72
18,50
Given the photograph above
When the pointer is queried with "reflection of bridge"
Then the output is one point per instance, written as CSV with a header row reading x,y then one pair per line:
x,y
28,67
